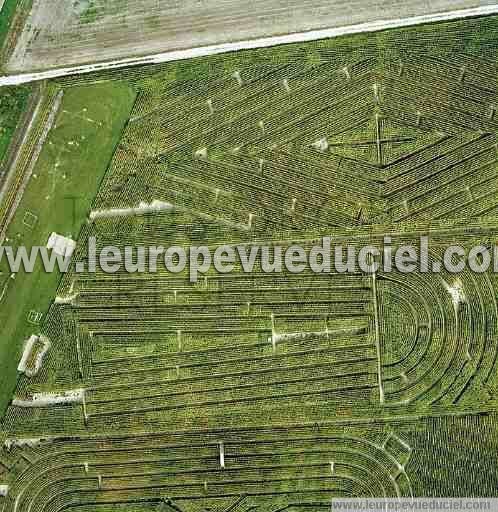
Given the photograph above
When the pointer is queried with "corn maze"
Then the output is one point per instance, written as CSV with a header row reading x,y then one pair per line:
x,y
276,391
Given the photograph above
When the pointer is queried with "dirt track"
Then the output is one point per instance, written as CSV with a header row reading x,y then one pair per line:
x,y
72,32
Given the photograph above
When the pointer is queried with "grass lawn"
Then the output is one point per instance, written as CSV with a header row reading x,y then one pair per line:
x,y
64,182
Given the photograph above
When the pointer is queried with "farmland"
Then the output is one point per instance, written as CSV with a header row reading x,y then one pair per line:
x,y
263,391
61,32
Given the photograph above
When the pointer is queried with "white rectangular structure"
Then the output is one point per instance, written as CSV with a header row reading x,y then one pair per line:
x,y
61,245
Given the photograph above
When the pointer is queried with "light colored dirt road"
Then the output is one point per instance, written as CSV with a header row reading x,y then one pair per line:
x,y
62,33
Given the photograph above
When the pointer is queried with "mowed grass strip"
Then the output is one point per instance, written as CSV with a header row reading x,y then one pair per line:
x,y
58,197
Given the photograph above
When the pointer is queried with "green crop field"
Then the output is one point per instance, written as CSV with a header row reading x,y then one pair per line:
x,y
259,391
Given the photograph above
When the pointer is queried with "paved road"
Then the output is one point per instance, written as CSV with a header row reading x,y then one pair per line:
x,y
72,59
